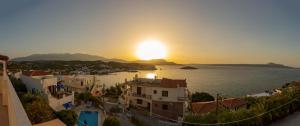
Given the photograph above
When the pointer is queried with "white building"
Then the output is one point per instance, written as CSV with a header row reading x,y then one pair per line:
x,y
81,83
166,98
47,84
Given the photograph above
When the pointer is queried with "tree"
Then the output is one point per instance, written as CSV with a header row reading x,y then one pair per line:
x,y
202,97
69,117
18,85
111,121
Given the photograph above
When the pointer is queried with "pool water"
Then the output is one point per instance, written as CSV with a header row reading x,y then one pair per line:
x,y
90,117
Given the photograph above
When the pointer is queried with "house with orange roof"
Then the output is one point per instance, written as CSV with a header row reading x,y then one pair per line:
x,y
164,98
207,107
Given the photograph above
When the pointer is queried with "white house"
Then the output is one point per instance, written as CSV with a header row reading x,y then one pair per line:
x,y
80,83
42,82
164,97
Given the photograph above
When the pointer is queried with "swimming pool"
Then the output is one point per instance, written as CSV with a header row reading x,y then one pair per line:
x,y
88,117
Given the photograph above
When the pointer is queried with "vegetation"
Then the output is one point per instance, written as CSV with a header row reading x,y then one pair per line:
x,y
137,122
202,97
18,85
37,108
114,91
88,97
35,105
111,121
69,117
115,109
260,111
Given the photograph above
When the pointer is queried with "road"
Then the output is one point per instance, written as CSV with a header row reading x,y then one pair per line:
x,y
292,120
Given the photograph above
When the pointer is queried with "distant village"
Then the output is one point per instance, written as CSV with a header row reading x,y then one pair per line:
x,y
79,67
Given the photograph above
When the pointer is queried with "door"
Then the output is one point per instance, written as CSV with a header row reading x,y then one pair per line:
x,y
139,90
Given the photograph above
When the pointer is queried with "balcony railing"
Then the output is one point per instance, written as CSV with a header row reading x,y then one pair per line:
x,y
16,113
182,98
141,95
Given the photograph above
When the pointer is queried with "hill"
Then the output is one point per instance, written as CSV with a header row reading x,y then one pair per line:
x,y
156,62
65,57
268,65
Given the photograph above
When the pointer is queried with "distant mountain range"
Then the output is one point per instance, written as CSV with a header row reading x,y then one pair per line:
x,y
65,57
85,57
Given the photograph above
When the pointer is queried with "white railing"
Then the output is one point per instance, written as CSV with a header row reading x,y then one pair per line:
x,y
141,95
16,113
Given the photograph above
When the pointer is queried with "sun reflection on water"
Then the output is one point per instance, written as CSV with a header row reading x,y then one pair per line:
x,y
150,75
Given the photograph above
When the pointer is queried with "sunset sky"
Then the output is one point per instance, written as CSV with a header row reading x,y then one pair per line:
x,y
193,31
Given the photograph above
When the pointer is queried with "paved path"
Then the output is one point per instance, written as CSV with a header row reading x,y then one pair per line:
x,y
292,120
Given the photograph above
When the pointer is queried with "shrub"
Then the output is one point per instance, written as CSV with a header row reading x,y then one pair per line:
x,y
69,117
137,122
115,109
39,111
111,121
202,97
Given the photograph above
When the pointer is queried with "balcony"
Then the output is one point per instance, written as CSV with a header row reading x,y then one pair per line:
x,y
12,112
182,98
141,96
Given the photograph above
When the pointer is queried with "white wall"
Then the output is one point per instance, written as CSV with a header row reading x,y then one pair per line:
x,y
173,93
57,104
32,83
38,83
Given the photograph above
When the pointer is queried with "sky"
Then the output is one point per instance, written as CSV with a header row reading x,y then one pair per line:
x,y
194,31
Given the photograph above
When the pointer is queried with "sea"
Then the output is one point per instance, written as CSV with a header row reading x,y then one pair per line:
x,y
228,81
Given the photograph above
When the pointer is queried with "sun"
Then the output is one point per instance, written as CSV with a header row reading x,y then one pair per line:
x,y
151,49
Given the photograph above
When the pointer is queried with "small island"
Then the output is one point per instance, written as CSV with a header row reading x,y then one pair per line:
x,y
188,68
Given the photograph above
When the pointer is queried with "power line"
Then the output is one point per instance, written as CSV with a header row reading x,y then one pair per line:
x,y
259,115
237,121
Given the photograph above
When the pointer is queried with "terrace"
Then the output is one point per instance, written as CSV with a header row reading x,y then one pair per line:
x,y
12,112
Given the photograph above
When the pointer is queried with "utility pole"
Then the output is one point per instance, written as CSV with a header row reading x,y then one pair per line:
x,y
103,92
217,104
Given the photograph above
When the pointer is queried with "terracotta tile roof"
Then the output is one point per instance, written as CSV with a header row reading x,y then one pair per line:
x,y
205,107
2,57
233,103
170,83
35,73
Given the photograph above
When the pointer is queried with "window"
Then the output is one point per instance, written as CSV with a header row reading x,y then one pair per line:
x,y
154,92
165,107
164,93
139,101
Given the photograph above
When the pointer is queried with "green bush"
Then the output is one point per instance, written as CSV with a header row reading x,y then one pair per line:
x,y
137,122
111,121
69,117
39,111
202,97
256,106
19,86
115,109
